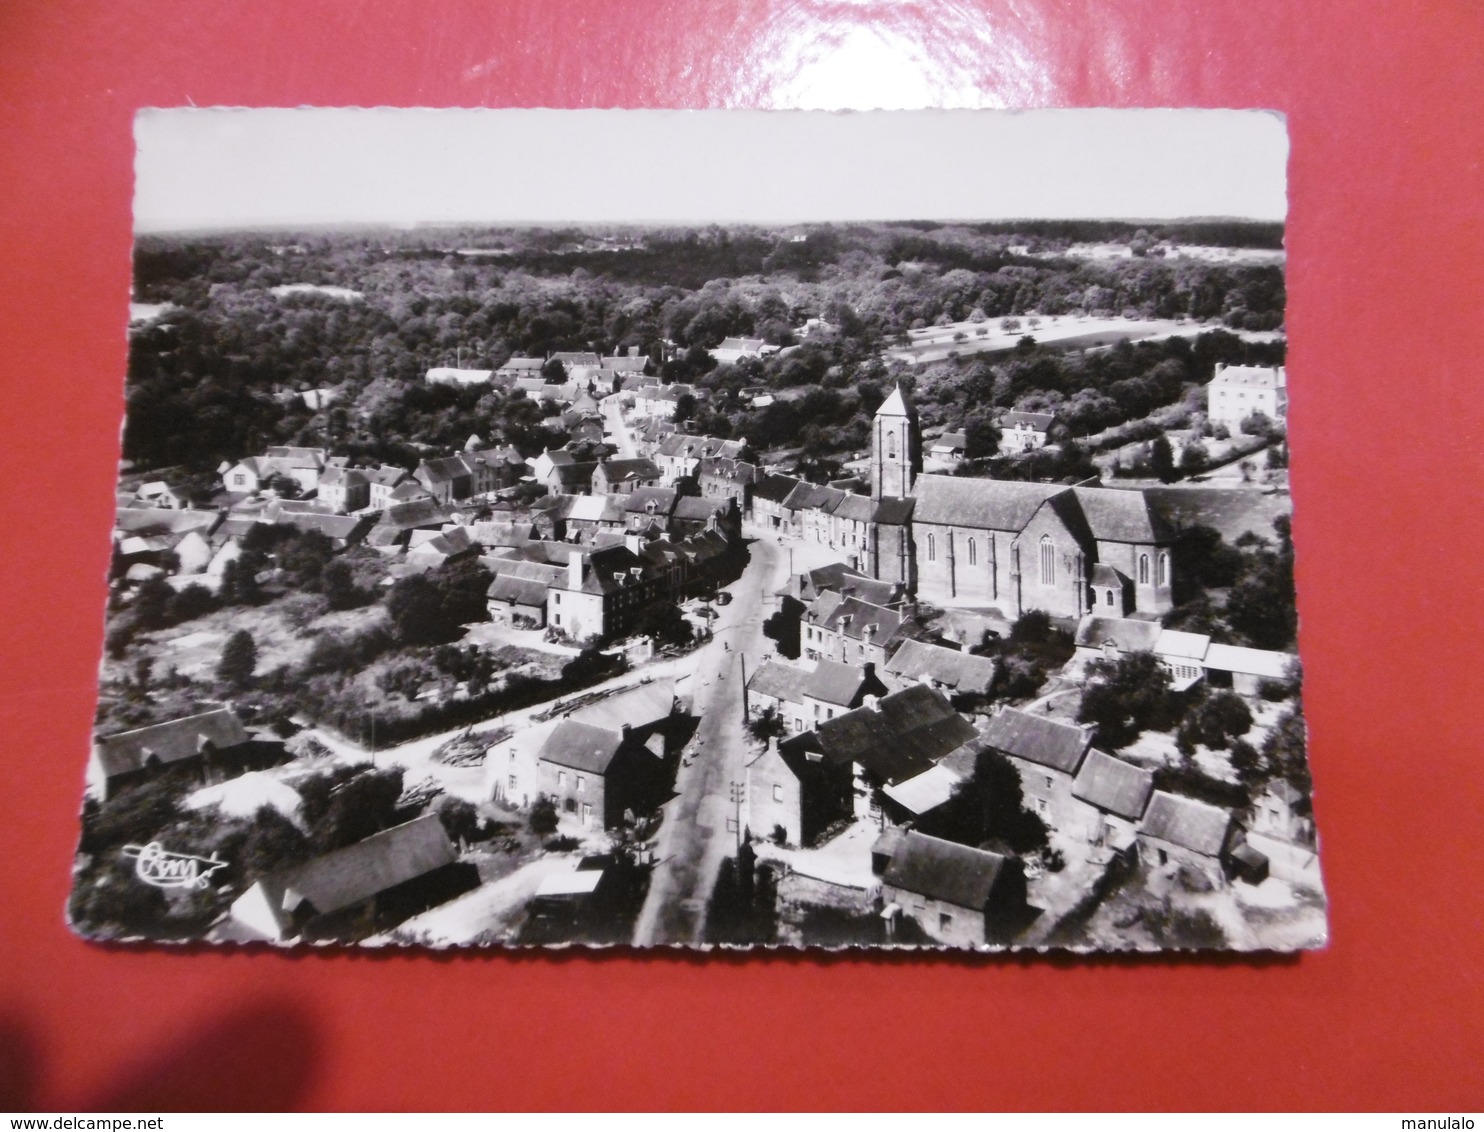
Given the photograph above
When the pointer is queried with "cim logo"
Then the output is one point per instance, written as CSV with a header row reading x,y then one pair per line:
x,y
157,866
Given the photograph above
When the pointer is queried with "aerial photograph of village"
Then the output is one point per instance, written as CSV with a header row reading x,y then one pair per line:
x,y
819,584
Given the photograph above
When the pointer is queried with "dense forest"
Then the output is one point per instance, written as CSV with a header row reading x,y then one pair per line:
x,y
245,325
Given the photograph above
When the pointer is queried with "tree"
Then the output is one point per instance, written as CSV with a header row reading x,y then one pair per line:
x,y
990,807
460,819
1162,460
239,659
1126,697
340,587
685,407
554,372
543,819
152,603
663,621
1194,459
240,580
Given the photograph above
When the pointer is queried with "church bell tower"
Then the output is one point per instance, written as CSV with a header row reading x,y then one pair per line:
x,y
896,455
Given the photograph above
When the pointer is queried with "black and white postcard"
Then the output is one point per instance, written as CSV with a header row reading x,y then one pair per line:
x,y
705,529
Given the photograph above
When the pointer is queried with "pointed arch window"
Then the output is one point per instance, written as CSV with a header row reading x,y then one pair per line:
x,y
1048,561
891,444
932,549
1143,569
973,553
1163,568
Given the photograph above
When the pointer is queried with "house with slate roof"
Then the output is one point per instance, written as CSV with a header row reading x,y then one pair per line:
x,y
794,793
727,478
804,698
768,495
203,743
1048,754
959,896
596,773
1236,392
1117,793
950,670
1023,432
352,892
1179,832
624,477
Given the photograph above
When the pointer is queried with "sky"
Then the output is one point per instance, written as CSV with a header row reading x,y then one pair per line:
x,y
230,168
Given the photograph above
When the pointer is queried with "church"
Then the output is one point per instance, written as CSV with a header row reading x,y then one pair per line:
x,y
1008,545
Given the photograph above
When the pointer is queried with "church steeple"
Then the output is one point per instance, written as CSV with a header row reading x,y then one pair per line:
x,y
895,448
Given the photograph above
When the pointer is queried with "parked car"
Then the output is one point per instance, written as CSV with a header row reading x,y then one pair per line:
x,y
723,598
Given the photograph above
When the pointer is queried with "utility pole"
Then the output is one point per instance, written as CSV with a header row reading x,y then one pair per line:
x,y
743,660
738,792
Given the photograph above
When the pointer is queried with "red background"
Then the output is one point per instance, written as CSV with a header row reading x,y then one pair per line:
x,y
1384,111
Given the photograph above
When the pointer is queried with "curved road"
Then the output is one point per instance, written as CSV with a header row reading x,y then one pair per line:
x,y
694,839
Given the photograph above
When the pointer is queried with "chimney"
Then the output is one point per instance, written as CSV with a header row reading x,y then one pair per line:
x,y
633,351
873,702
634,541
869,668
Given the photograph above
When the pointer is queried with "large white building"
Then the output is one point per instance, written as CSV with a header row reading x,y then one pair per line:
x,y
1236,392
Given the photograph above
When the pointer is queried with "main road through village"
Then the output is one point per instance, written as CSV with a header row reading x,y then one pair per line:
x,y
694,838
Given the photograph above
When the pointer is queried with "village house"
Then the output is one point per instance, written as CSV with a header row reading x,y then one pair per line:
x,y
661,400
381,482
652,433
959,896
625,365
681,454
648,508
768,495
1236,392
949,448
804,698
1182,832
1117,794
451,545
157,493
949,670
344,489
624,477
1023,432
732,350
394,529
1047,753
724,478
351,892
570,358
604,590
794,793
851,631
207,743
515,368
597,773
919,800
301,465
342,530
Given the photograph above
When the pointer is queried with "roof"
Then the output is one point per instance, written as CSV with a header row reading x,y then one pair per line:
x,y
414,513
1125,634
1186,646
358,872
619,471
927,791
778,681
943,870
860,620
1251,662
573,882
1263,377
639,706
1197,826
134,519
698,447
1001,505
774,488
900,737
951,441
857,508
1116,515
517,591
894,512
524,364
961,671
660,499
453,541
343,527
834,683
699,508
443,469
1113,785
1037,739
1038,421
895,405
169,742
465,376
581,746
